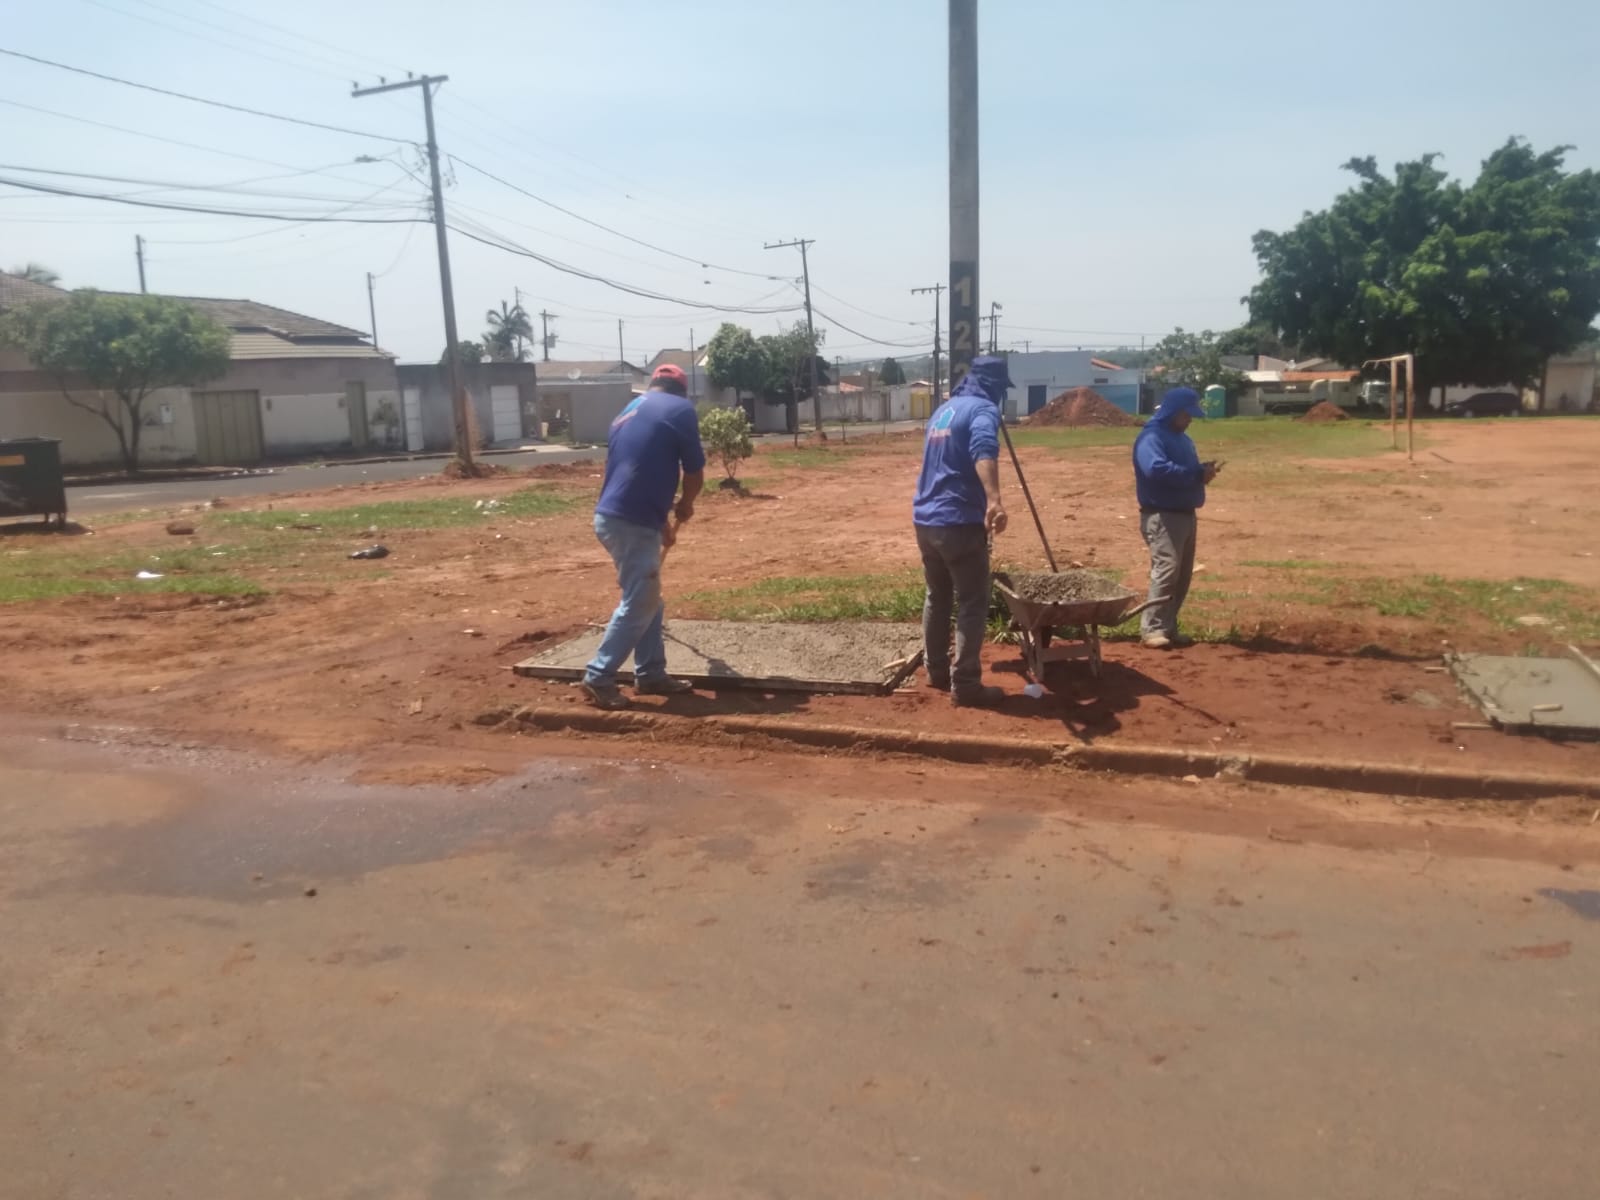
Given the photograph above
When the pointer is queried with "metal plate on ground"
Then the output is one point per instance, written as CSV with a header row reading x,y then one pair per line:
x,y
1533,695
855,657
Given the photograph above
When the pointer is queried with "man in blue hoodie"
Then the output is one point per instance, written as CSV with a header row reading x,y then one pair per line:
x,y
957,508
1171,483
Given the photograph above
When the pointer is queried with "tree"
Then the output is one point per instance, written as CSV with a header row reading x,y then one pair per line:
x,y
789,356
890,373
734,360
508,328
1482,282
129,346
1255,340
1193,360
726,435
468,353
36,273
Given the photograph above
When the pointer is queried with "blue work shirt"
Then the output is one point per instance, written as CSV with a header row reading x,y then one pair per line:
x,y
1166,468
964,431
656,435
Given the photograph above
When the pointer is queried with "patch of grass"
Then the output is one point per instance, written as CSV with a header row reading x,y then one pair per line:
x,y
389,515
1288,564
1241,441
810,457
26,577
806,598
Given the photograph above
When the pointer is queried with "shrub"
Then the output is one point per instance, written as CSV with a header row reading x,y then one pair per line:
x,y
726,435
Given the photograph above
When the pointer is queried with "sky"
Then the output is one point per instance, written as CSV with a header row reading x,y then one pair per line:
x,y
1129,151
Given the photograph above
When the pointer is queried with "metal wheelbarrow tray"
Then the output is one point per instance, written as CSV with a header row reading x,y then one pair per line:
x,y
1103,603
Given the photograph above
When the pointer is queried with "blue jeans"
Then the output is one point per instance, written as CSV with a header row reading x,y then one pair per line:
x,y
635,627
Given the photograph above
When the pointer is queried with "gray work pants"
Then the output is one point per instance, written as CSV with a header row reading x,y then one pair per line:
x,y
1171,537
955,564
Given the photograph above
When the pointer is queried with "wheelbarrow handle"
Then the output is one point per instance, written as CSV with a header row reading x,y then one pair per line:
x,y
1134,612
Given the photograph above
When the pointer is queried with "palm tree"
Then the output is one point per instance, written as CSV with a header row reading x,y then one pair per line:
x,y
36,273
509,327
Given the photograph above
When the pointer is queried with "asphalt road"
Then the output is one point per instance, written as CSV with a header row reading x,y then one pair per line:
x,y
612,980
119,497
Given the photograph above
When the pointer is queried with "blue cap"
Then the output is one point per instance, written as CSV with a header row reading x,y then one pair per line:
x,y
1180,400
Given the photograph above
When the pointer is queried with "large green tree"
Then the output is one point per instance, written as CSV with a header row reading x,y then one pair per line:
x,y
891,373
789,357
36,273
1194,360
734,360
509,330
127,346
1483,282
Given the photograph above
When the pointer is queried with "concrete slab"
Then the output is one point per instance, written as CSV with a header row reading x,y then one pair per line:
x,y
856,657
1533,695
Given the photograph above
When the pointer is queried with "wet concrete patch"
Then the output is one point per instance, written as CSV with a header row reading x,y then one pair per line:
x,y
1584,902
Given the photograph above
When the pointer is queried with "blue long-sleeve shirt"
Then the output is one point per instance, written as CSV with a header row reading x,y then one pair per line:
x,y
1166,468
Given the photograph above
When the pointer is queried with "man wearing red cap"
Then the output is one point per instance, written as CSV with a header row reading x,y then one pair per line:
x,y
652,440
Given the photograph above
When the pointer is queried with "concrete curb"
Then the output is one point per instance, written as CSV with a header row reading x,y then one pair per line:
x,y
1386,779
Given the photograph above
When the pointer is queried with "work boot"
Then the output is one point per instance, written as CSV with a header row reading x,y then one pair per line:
x,y
979,697
1156,641
606,696
1181,641
665,685
939,682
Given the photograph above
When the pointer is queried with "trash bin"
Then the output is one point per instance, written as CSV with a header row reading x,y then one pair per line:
x,y
31,483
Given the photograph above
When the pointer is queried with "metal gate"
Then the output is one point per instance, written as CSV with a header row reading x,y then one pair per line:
x,y
355,402
227,427
505,411
411,404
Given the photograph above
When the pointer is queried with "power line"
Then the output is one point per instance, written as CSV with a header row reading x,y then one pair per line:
x,y
511,247
254,112
866,339
866,312
28,185
607,228
161,185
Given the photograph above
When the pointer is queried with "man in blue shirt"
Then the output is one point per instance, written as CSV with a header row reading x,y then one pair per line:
x,y
650,441
1171,483
957,508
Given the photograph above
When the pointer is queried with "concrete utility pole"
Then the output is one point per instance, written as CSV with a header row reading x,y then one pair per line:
x,y
458,394
693,356
811,330
937,290
621,357
372,311
963,185
516,299
544,321
138,252
994,326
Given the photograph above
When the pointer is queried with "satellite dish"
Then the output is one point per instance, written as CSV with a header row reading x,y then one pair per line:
x,y
575,373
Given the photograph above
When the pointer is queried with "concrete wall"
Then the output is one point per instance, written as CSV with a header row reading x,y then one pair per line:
x,y
1576,380
864,406
86,440
589,407
432,383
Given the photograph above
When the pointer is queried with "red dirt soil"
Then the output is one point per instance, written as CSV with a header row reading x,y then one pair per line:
x,y
406,654
1322,412
1081,408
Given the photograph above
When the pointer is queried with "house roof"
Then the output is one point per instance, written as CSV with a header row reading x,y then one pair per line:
x,y
683,359
252,345
556,370
15,290
251,315
1104,365
1318,376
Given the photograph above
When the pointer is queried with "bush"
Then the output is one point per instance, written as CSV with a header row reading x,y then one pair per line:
x,y
726,435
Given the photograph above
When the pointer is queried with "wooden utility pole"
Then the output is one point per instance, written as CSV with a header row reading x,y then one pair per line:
x,y
811,329
938,291
458,394
963,185
544,338
138,252
372,311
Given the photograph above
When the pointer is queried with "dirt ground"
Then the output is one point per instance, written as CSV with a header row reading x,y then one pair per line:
x,y
408,652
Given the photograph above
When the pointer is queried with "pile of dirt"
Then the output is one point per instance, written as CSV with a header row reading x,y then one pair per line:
x,y
1064,587
480,470
1324,411
1079,407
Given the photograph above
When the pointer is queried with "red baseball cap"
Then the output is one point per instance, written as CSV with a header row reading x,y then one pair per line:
x,y
669,371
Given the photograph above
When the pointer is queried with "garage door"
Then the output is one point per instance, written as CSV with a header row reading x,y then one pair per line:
x,y
505,406
227,427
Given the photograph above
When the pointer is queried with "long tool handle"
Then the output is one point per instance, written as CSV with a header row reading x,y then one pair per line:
x,y
1028,496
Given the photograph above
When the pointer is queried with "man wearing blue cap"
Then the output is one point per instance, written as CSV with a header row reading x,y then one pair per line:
x,y
1171,483
957,508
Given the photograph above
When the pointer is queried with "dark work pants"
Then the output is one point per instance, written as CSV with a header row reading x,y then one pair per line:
x,y
955,565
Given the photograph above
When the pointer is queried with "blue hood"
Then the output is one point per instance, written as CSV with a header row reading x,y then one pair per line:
x,y
1179,400
986,377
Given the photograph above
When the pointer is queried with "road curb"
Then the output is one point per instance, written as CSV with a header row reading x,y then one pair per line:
x,y
1387,779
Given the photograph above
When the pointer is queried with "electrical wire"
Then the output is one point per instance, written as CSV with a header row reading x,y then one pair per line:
x,y
254,112
29,185
158,185
867,312
607,228
866,338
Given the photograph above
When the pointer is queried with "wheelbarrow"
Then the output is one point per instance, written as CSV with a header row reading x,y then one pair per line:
x,y
1036,621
